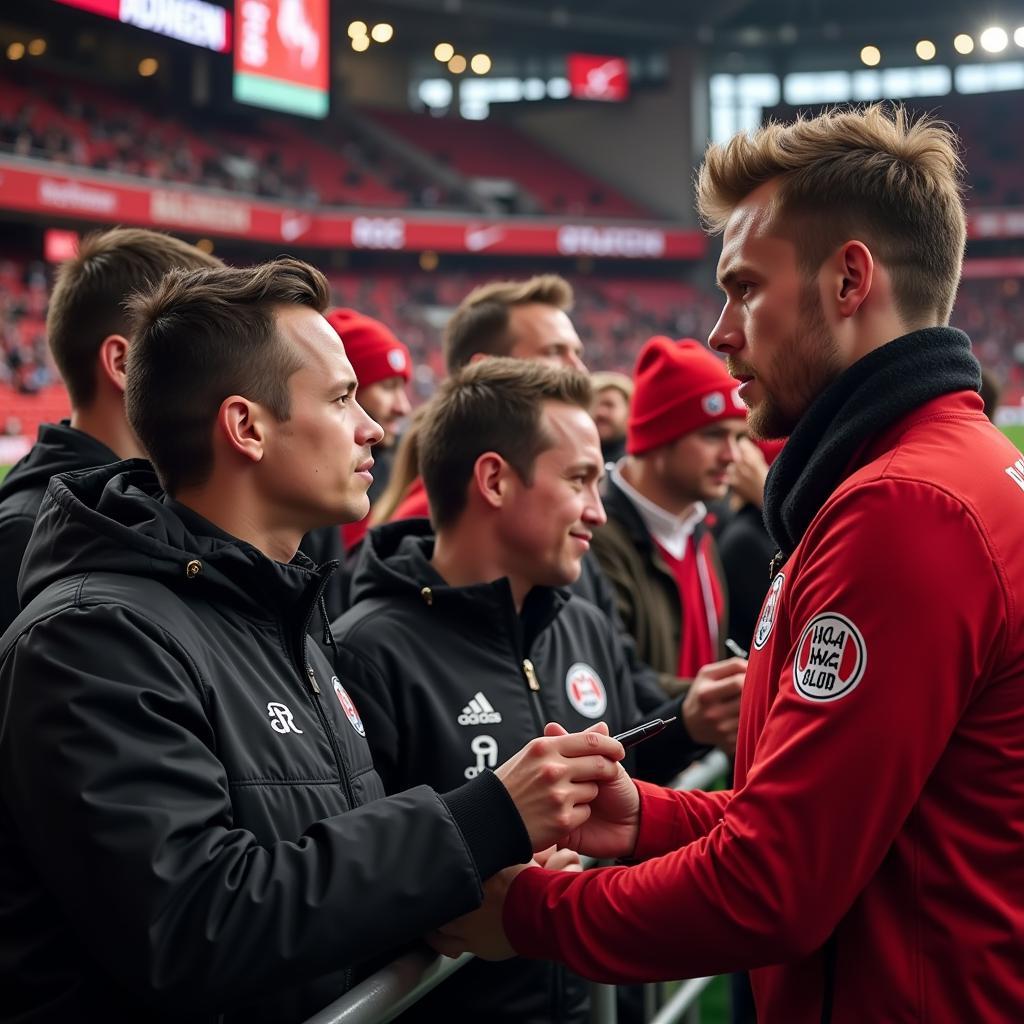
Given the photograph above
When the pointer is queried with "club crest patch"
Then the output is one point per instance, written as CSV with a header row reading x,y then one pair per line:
x,y
830,658
348,706
585,690
396,359
769,612
713,404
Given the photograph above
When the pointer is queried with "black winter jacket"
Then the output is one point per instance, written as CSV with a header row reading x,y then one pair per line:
x,y
190,826
451,681
60,448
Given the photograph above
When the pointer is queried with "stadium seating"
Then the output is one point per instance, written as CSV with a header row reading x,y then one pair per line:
x,y
495,150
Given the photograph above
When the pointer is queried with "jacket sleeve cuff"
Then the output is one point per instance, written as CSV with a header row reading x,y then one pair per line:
x,y
659,821
490,824
524,916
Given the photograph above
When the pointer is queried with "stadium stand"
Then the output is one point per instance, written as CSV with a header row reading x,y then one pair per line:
x,y
614,316
496,151
85,125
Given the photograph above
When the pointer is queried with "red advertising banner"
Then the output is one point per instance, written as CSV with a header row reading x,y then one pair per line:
x,y
77,196
282,55
190,21
592,77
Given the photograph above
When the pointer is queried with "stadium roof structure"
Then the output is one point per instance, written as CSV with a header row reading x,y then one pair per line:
x,y
725,23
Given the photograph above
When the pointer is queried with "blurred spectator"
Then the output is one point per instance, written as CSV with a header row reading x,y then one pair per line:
x,y
610,410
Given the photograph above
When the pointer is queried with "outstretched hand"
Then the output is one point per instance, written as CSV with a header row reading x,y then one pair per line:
x,y
611,828
553,779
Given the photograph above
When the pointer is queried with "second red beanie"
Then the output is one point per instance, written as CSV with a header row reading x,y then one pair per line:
x,y
372,349
678,387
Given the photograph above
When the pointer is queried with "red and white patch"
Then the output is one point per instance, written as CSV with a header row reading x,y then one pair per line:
x,y
585,690
830,658
396,359
348,706
769,612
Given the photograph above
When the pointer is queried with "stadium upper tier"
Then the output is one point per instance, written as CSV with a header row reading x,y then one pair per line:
x,y
50,118
497,151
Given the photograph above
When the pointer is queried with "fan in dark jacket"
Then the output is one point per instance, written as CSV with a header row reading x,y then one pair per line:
x,y
191,826
460,650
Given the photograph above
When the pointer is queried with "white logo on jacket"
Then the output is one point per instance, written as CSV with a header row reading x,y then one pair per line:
x,y
479,711
1016,473
830,658
486,750
585,690
348,706
281,718
768,613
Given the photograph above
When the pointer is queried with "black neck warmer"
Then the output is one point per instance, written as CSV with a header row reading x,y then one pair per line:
x,y
872,394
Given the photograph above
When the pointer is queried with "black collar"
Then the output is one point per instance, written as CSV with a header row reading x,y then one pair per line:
x,y
871,395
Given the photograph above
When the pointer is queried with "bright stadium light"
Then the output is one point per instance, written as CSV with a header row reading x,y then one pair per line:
x,y
964,44
15,51
925,49
356,29
457,64
361,43
480,63
382,33
994,39
1018,36
37,47
871,55
444,52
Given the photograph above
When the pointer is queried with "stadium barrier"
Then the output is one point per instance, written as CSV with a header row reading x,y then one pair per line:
x,y
383,996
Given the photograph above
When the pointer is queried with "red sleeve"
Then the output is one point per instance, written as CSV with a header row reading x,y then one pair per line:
x,y
831,782
670,819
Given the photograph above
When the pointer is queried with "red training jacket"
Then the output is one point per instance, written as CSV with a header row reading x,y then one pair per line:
x,y
870,861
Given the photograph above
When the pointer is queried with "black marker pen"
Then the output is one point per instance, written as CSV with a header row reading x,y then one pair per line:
x,y
631,737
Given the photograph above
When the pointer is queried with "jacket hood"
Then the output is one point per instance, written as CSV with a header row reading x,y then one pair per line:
x,y
395,562
116,519
59,448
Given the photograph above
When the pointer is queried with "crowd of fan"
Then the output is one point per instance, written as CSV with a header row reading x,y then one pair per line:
x,y
614,317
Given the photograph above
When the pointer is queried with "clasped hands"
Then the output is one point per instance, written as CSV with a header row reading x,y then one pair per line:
x,y
573,795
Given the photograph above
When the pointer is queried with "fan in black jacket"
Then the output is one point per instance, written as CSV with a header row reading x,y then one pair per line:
x,y
211,840
450,681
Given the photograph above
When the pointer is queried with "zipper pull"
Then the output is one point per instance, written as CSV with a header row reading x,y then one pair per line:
x,y
312,680
531,676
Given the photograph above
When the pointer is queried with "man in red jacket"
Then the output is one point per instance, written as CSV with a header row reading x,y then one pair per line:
x,y
868,862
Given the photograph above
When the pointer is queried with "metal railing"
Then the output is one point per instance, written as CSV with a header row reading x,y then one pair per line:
x,y
384,995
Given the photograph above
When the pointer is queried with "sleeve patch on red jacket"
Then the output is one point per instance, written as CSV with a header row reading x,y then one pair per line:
x,y
830,658
768,613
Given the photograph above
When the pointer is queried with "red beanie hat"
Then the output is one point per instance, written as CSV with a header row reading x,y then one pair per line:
x,y
374,352
678,387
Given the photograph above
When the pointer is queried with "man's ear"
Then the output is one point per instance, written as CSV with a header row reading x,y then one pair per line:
x,y
853,276
242,426
491,479
112,357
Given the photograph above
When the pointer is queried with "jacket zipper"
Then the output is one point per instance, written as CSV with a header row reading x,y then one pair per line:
x,y
307,670
533,685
